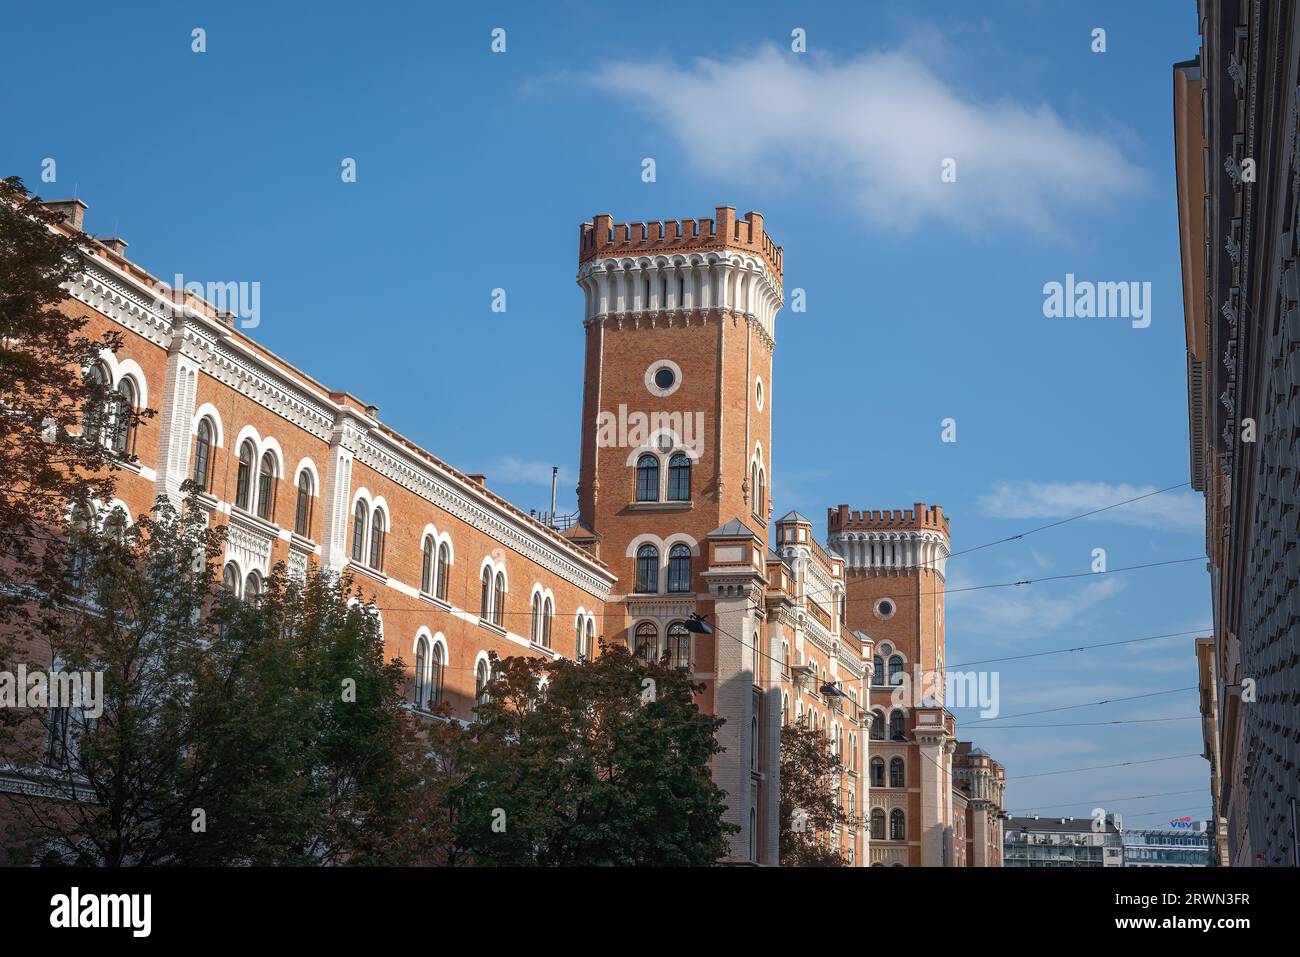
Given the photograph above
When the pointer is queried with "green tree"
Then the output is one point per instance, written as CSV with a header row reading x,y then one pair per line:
x,y
229,731
49,460
812,799
598,762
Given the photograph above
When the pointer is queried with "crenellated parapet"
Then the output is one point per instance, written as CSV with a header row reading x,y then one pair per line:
x,y
890,540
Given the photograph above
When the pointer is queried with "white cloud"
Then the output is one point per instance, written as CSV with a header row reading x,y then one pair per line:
x,y
878,127
1022,612
1177,511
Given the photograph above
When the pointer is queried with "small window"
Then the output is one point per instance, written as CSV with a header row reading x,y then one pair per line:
x,y
896,775
485,603
302,514
878,825
679,568
121,424
664,377
897,825
203,446
877,726
647,478
878,672
444,560
480,684
591,637
230,578
426,566
895,669
679,645
537,619
252,585
435,675
244,477
421,654
359,516
647,570
877,772
646,641
499,600
548,612
896,727
679,478
266,488
377,540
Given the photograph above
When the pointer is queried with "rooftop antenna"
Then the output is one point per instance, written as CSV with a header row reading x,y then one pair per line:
x,y
555,474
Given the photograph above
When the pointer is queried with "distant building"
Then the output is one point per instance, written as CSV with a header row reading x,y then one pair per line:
x,y
1062,842
1184,843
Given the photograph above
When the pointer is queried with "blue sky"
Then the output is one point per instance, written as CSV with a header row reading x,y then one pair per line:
x,y
925,299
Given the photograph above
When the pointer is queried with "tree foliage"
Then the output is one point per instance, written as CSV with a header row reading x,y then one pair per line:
x,y
812,800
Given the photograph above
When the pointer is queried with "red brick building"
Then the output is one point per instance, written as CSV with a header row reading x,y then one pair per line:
x,y
673,520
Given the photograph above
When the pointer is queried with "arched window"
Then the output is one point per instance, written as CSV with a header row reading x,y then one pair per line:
x,y
302,514
537,618
753,743
897,825
877,824
591,637
647,478
679,645
896,777
444,559
877,726
877,772
244,476
548,612
499,600
230,578
785,709
435,675
785,658
878,672
99,411
896,732
753,835
421,655
761,497
579,641
895,669
753,487
252,585
203,446
426,566
121,424
480,683
266,487
359,516
647,570
679,568
679,478
646,641
486,599
377,540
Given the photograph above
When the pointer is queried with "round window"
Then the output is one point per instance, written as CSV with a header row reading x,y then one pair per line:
x,y
884,608
663,377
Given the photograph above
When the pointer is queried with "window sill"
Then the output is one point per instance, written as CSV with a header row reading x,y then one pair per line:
x,y
661,506
367,571
256,521
494,628
435,601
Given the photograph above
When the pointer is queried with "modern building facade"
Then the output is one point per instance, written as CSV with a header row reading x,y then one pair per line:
x,y
1184,843
674,520
1063,842
1238,173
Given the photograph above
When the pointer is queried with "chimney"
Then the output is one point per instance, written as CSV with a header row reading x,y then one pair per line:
x,y
73,210
116,243
478,478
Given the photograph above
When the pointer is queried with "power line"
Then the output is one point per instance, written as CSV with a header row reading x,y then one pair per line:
x,y
1088,704
1102,801
1062,651
1098,767
1092,724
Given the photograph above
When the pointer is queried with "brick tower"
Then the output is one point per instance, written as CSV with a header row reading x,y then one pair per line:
x,y
894,566
676,463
